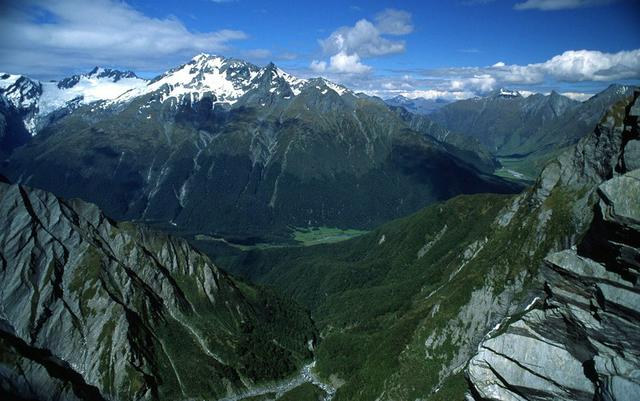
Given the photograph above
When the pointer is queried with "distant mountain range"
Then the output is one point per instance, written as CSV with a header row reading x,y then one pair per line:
x,y
527,131
417,105
223,146
469,295
524,132
482,294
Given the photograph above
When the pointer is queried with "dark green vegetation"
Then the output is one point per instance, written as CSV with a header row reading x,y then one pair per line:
x,y
463,146
142,315
305,392
402,308
528,131
254,169
377,301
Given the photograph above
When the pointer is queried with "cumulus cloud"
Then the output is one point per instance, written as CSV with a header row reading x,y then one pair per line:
x,y
589,65
347,45
577,69
394,22
571,66
341,63
363,38
477,83
552,5
579,96
48,37
434,94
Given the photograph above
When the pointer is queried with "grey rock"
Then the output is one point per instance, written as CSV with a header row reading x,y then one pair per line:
x,y
632,155
94,309
584,343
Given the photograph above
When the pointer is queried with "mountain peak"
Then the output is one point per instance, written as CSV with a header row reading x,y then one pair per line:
x,y
95,74
504,93
203,56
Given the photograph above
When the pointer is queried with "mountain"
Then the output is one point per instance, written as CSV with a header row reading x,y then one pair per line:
x,y
94,309
417,105
579,341
466,148
221,146
38,102
12,130
402,309
526,132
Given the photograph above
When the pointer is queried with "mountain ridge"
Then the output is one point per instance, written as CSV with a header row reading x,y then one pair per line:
x,y
268,151
96,309
447,274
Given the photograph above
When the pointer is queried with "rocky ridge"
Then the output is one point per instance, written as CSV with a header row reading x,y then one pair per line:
x,y
578,340
91,309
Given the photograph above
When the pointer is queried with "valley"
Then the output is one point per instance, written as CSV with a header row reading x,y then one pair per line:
x,y
272,201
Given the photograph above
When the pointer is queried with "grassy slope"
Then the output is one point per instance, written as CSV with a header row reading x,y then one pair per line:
x,y
371,296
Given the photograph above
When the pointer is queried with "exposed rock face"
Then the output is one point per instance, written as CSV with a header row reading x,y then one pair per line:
x,y
583,341
92,309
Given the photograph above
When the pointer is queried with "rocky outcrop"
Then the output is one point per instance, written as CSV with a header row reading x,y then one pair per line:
x,y
93,309
581,340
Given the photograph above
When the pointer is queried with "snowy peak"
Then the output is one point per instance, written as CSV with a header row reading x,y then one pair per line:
x,y
324,86
35,100
399,100
281,83
98,84
225,79
504,93
20,91
98,73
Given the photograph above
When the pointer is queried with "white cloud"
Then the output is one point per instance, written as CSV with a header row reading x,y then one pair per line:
x,y
526,93
589,65
477,83
577,95
562,71
363,38
571,66
318,66
552,5
394,22
72,38
347,45
347,63
433,94
341,63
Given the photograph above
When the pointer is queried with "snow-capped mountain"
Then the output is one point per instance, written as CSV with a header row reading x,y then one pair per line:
x,y
506,93
34,100
226,80
222,145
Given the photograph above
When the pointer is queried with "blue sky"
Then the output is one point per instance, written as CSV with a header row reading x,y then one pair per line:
x,y
453,48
